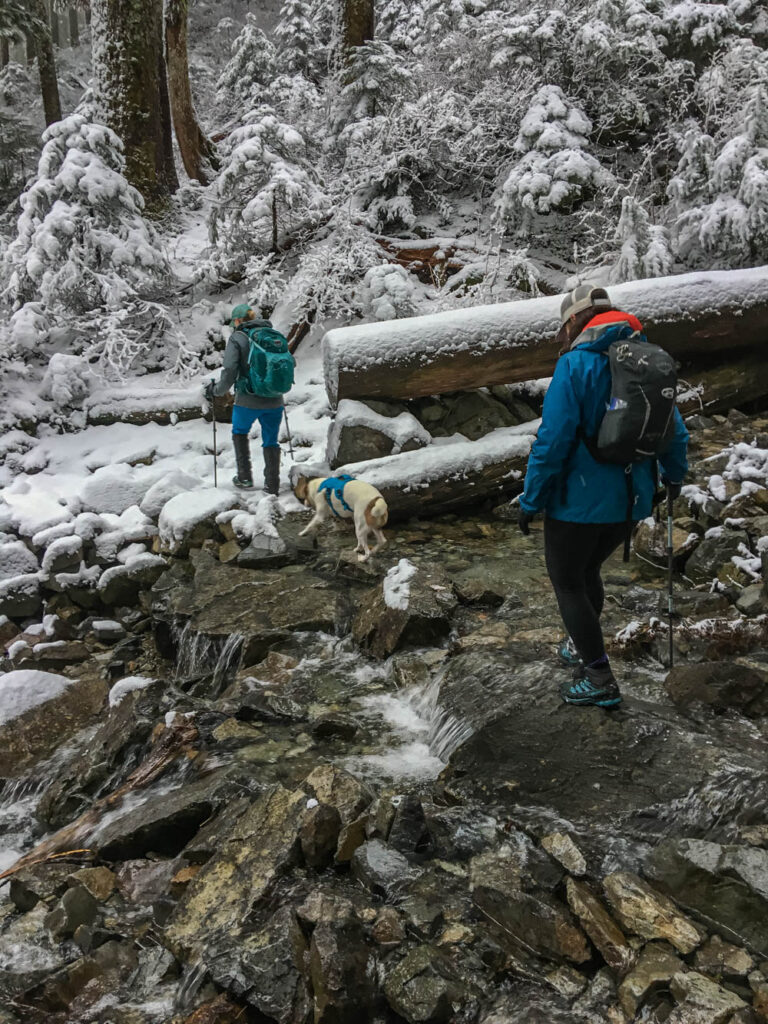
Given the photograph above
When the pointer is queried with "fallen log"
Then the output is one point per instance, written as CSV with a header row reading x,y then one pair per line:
x,y
723,387
173,741
441,478
693,316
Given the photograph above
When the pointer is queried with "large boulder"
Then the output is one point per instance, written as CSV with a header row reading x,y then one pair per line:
x,y
532,921
121,584
714,552
474,414
656,966
40,710
16,560
650,542
261,845
413,606
262,607
645,911
188,519
359,433
726,885
20,596
702,1000
340,971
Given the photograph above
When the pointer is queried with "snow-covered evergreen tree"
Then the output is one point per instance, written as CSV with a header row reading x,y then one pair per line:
x,y
644,248
81,239
266,191
297,44
245,81
554,172
374,77
720,192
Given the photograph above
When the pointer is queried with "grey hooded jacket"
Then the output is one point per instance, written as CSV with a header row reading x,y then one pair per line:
x,y
236,366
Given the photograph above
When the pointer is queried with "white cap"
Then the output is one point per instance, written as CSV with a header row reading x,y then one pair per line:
x,y
584,296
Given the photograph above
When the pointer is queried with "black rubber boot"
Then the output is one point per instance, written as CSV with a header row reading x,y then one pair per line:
x,y
242,448
271,470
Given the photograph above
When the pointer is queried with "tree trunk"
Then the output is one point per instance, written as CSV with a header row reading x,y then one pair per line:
x,y
46,66
440,478
74,27
698,318
53,20
274,222
197,152
131,90
355,22
5,52
30,45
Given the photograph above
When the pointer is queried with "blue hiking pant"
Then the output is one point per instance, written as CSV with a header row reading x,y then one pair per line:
x,y
269,421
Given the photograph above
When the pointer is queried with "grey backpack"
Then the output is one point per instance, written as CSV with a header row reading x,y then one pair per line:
x,y
638,423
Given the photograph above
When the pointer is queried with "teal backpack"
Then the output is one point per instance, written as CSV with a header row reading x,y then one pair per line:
x,y
270,364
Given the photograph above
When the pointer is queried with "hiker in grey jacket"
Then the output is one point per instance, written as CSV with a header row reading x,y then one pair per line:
x,y
249,407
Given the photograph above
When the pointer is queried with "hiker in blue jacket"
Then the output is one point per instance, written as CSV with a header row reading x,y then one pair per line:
x,y
249,407
589,506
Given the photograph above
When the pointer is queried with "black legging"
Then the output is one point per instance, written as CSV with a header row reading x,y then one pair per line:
x,y
574,553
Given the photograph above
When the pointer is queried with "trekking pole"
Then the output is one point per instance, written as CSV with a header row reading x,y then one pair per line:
x,y
215,453
288,432
670,569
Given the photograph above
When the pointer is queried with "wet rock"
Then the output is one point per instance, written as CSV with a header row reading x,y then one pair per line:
x,y
76,907
351,836
382,871
28,953
41,882
696,604
459,833
264,608
600,926
322,906
266,968
389,928
381,814
422,619
260,846
650,542
229,551
319,835
334,726
100,882
533,921
83,983
713,553
644,911
560,846
719,684
655,966
164,823
339,970
702,1000
341,790
20,596
727,885
265,551
423,988
37,732
409,832
566,981
753,600
722,959
517,863
145,881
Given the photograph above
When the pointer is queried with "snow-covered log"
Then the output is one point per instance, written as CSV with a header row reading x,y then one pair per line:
x,y
693,316
441,478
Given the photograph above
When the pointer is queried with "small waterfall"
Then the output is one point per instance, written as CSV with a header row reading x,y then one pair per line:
x,y
424,734
199,654
190,984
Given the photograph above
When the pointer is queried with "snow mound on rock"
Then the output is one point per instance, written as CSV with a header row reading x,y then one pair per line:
x,y
28,688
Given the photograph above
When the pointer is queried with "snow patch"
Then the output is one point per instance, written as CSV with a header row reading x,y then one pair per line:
x,y
125,686
397,587
28,688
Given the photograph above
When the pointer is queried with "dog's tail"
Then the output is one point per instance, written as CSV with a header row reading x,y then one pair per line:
x,y
377,513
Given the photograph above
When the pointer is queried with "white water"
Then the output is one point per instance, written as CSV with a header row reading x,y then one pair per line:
x,y
422,735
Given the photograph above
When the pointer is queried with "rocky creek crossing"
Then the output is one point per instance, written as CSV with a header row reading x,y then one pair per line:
x,y
296,788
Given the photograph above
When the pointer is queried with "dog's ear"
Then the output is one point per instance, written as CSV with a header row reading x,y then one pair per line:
x,y
301,488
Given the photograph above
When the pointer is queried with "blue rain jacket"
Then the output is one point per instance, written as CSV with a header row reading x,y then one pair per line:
x,y
563,479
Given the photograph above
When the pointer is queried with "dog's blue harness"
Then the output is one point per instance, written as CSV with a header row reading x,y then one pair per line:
x,y
334,486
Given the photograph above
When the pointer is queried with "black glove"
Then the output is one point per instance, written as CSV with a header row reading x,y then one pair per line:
x,y
524,520
674,489
208,391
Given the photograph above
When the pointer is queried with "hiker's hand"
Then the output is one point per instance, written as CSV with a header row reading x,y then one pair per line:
x,y
523,521
208,391
674,490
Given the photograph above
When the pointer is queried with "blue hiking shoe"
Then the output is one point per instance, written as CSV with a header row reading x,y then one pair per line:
x,y
568,654
594,687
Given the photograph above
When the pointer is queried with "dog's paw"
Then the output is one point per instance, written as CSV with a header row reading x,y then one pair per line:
x,y
363,558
